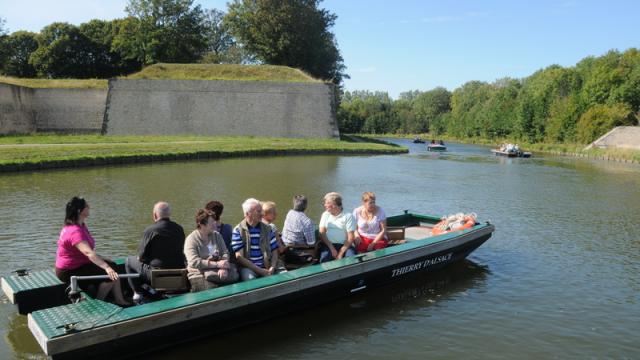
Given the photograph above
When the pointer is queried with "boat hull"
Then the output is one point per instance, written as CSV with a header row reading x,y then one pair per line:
x,y
512,154
436,148
268,297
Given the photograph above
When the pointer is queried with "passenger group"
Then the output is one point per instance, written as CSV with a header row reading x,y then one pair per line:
x,y
216,254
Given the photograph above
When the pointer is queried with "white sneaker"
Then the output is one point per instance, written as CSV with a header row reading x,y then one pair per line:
x,y
136,297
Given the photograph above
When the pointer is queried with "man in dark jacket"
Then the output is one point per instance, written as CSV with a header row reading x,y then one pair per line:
x,y
161,248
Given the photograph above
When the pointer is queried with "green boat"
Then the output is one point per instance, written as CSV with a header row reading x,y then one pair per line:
x,y
96,329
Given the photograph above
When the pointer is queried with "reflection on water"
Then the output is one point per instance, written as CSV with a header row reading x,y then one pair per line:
x,y
564,258
328,325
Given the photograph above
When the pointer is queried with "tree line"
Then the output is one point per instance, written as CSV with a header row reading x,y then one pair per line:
x,y
556,105
293,33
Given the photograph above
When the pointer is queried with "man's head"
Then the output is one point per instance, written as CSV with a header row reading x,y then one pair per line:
x,y
161,210
252,210
299,203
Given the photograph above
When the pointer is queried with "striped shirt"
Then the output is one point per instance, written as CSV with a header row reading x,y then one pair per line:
x,y
255,254
298,229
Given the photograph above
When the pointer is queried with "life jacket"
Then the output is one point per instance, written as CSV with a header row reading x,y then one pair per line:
x,y
446,225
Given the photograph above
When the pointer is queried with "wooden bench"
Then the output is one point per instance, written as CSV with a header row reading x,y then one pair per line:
x,y
169,280
396,235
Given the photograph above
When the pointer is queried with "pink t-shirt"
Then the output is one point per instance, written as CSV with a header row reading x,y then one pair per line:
x,y
68,256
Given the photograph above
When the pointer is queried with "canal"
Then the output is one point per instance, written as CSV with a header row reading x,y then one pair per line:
x,y
560,278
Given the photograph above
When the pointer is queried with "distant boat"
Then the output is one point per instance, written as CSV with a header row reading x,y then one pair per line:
x,y
436,146
511,153
417,140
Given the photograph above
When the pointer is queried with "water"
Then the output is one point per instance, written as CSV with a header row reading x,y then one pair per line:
x,y
559,278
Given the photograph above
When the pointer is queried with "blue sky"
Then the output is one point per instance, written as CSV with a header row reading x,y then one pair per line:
x,y
403,45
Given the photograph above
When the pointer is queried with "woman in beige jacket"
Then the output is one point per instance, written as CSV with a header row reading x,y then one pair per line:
x,y
207,255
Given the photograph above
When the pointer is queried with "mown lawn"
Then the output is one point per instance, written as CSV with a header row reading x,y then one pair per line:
x,y
37,149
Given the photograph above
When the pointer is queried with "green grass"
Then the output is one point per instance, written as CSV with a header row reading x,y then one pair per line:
x,y
47,151
178,72
56,83
222,72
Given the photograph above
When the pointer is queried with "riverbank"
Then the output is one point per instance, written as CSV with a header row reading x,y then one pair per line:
x,y
38,152
575,150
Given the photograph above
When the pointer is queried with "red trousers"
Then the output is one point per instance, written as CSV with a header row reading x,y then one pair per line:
x,y
365,242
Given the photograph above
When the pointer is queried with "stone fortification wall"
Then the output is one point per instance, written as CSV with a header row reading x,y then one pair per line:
x,y
626,137
24,110
16,116
221,108
69,110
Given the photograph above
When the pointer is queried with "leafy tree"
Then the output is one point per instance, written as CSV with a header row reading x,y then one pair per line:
x,y
64,52
3,29
288,32
162,31
106,62
221,46
600,118
16,50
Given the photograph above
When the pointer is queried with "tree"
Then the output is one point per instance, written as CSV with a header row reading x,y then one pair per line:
x,y
599,119
293,33
3,30
106,61
222,48
64,52
16,50
162,31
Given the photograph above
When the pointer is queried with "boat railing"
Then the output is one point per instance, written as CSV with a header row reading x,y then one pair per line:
x,y
75,289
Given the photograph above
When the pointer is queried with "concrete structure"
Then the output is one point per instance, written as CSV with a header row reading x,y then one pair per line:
x,y
170,107
625,137
259,108
25,110
16,116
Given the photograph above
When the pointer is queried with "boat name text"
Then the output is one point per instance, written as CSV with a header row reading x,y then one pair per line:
x,y
421,265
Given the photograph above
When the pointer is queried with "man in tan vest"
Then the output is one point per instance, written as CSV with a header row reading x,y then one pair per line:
x,y
254,243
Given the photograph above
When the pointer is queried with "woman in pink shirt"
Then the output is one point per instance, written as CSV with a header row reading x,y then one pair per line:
x,y
76,255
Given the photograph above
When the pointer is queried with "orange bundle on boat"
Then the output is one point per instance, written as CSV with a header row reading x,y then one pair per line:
x,y
454,222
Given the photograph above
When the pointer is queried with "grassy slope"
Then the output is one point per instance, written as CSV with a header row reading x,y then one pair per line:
x,y
222,72
17,150
178,72
56,83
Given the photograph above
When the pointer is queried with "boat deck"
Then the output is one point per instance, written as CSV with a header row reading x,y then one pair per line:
x,y
34,290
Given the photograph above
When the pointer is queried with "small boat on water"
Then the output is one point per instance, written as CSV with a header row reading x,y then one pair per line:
x,y
511,153
436,147
96,329
417,140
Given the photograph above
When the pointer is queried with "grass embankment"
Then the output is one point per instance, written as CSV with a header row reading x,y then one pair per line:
x,y
55,151
56,83
178,72
222,72
614,154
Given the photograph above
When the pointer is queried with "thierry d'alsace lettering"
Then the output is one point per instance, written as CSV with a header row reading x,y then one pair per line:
x,y
421,265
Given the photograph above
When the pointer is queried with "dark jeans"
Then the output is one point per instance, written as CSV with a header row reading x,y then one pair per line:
x,y
134,266
325,253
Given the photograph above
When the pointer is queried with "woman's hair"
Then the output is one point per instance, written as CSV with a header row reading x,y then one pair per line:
x,y
299,203
74,208
367,196
203,215
215,206
335,198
